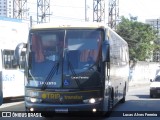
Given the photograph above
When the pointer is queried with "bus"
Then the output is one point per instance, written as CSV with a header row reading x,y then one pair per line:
x,y
13,31
73,67
12,76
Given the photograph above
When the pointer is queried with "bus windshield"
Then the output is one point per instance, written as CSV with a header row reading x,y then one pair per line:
x,y
64,58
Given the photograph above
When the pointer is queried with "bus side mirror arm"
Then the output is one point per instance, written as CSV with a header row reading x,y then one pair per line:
x,y
17,53
105,52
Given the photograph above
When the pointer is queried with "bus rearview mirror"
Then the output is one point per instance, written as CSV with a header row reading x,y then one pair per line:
x,y
18,52
105,51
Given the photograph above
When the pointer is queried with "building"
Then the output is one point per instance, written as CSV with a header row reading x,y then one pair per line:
x,y
6,8
155,23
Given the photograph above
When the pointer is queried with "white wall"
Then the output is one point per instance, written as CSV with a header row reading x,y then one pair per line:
x,y
144,71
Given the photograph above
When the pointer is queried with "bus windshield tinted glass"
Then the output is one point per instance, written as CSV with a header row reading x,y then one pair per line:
x,y
64,58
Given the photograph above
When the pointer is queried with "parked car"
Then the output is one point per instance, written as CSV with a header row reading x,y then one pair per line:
x,y
155,86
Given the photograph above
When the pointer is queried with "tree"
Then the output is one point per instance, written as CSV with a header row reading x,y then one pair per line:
x,y
139,37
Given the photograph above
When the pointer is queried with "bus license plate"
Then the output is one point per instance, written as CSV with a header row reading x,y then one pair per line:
x,y
61,110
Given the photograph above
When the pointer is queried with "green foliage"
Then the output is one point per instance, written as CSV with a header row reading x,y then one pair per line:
x,y
139,37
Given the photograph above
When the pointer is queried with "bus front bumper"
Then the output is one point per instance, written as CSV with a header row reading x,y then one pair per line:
x,y
64,108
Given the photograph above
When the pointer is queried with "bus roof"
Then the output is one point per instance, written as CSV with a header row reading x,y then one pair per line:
x,y
61,25
69,25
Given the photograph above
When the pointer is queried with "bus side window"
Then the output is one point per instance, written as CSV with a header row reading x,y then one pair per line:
x,y
8,62
22,63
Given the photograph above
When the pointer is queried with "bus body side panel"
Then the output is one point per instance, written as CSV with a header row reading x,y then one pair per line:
x,y
13,32
118,65
13,83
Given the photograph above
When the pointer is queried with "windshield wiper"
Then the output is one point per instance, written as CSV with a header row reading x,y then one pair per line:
x,y
50,75
72,70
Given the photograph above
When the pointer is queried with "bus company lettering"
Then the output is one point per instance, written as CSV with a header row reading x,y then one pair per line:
x,y
73,97
8,77
50,96
48,83
79,77
58,96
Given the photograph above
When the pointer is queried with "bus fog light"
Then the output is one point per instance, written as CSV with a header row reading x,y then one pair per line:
x,y
31,109
94,110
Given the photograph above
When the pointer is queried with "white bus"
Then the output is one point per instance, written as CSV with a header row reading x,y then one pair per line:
x,y
11,78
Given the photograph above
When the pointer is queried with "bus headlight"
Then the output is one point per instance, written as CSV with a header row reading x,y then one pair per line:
x,y
92,100
33,100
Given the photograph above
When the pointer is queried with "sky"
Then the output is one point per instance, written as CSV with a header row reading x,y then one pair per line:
x,y
75,9
143,9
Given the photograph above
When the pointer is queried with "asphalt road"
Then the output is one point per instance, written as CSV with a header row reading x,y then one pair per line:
x,y
137,100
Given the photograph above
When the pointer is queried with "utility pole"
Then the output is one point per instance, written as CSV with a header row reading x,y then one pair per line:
x,y
98,10
43,11
20,9
113,16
